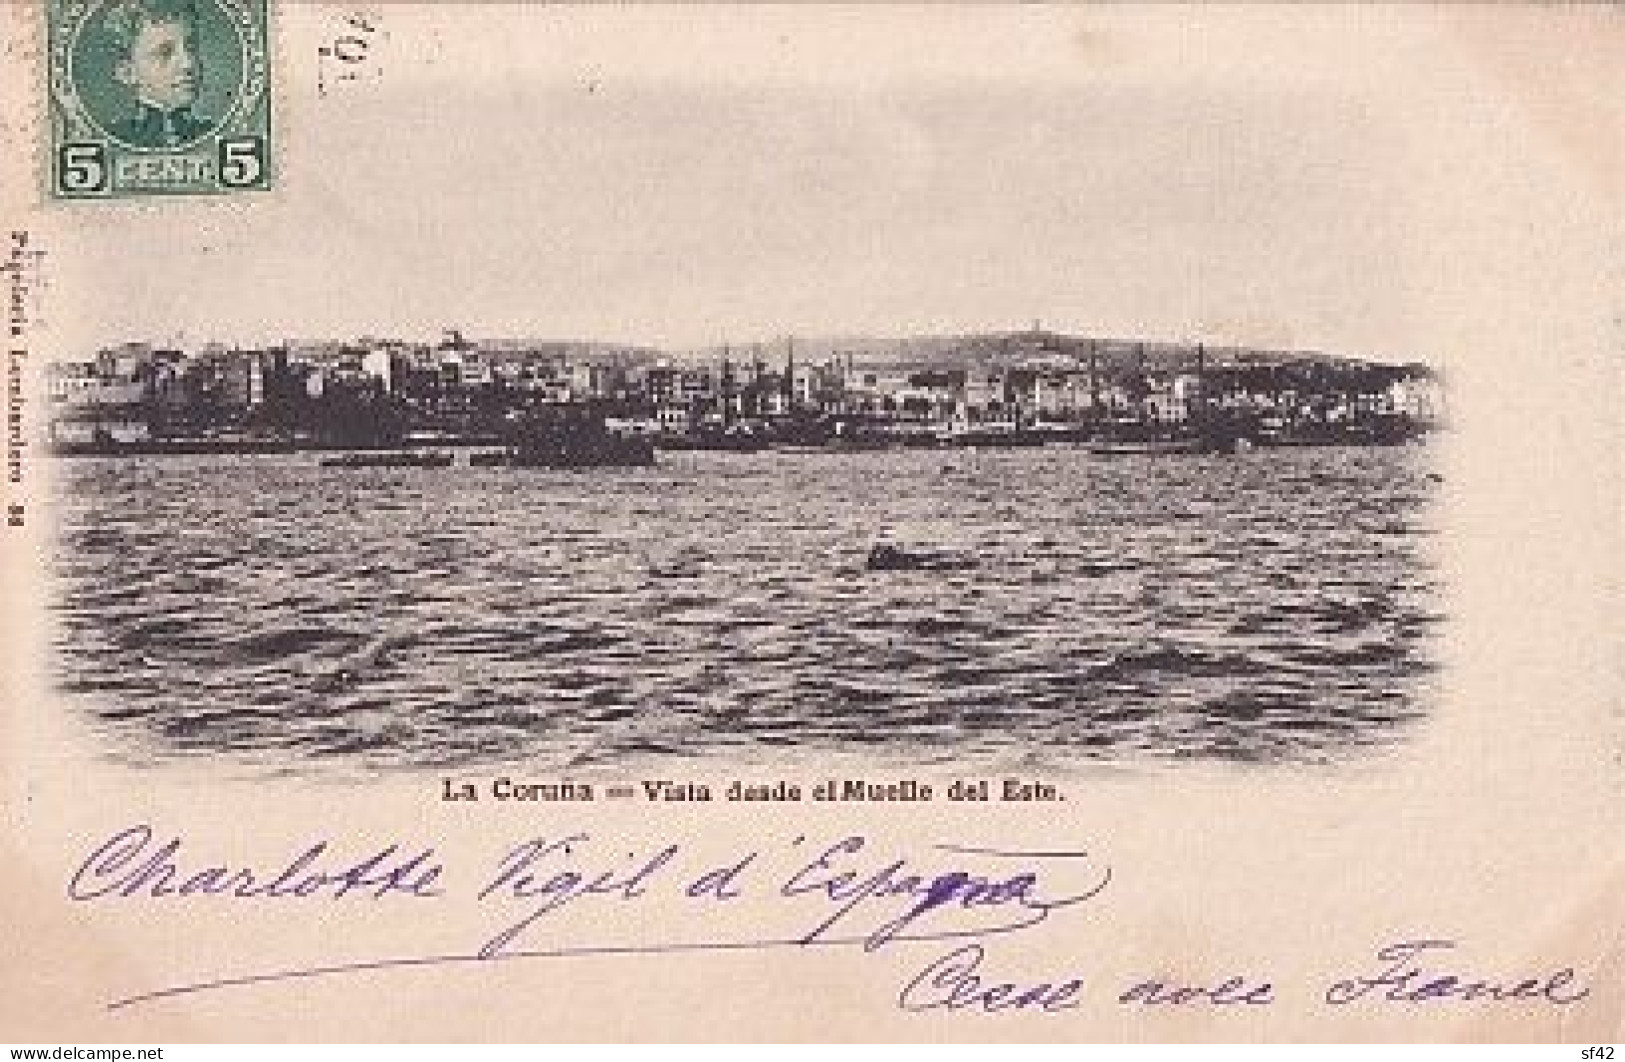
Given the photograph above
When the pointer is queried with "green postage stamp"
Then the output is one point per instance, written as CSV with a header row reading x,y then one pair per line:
x,y
158,97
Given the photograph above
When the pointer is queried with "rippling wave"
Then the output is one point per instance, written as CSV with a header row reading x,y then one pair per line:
x,y
1275,606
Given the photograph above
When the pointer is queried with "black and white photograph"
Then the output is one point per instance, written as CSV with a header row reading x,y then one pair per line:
x,y
922,421
1022,548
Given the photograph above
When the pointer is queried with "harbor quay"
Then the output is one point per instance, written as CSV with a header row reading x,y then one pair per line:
x,y
1006,388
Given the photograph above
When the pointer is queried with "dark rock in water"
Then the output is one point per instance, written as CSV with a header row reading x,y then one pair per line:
x,y
334,681
889,557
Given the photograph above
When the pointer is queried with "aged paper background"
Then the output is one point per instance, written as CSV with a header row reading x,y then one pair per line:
x,y
1471,217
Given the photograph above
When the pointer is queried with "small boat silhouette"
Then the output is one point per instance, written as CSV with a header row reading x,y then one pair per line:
x,y
389,459
891,557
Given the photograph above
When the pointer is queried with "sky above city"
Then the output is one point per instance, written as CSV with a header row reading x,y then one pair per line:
x,y
690,177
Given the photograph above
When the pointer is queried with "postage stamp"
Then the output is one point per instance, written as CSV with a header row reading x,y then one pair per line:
x,y
158,97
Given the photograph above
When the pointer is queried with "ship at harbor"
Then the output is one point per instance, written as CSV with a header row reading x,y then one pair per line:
x,y
567,436
390,459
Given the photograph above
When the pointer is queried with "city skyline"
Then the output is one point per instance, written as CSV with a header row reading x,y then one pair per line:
x,y
1035,340
1032,386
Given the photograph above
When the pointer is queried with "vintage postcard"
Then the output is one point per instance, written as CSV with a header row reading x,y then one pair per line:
x,y
978,523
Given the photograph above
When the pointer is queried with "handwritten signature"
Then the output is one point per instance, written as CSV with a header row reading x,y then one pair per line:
x,y
847,893
844,893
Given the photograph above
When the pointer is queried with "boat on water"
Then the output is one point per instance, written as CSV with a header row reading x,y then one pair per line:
x,y
1206,427
991,434
1062,432
1213,437
102,443
568,436
883,435
389,459
889,554
731,440
1126,447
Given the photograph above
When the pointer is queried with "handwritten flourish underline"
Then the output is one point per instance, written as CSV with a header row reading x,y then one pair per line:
x,y
362,966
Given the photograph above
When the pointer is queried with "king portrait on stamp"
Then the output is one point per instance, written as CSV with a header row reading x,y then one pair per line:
x,y
156,97
156,45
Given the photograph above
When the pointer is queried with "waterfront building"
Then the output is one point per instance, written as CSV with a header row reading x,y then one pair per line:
x,y
1418,396
379,363
69,383
125,362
